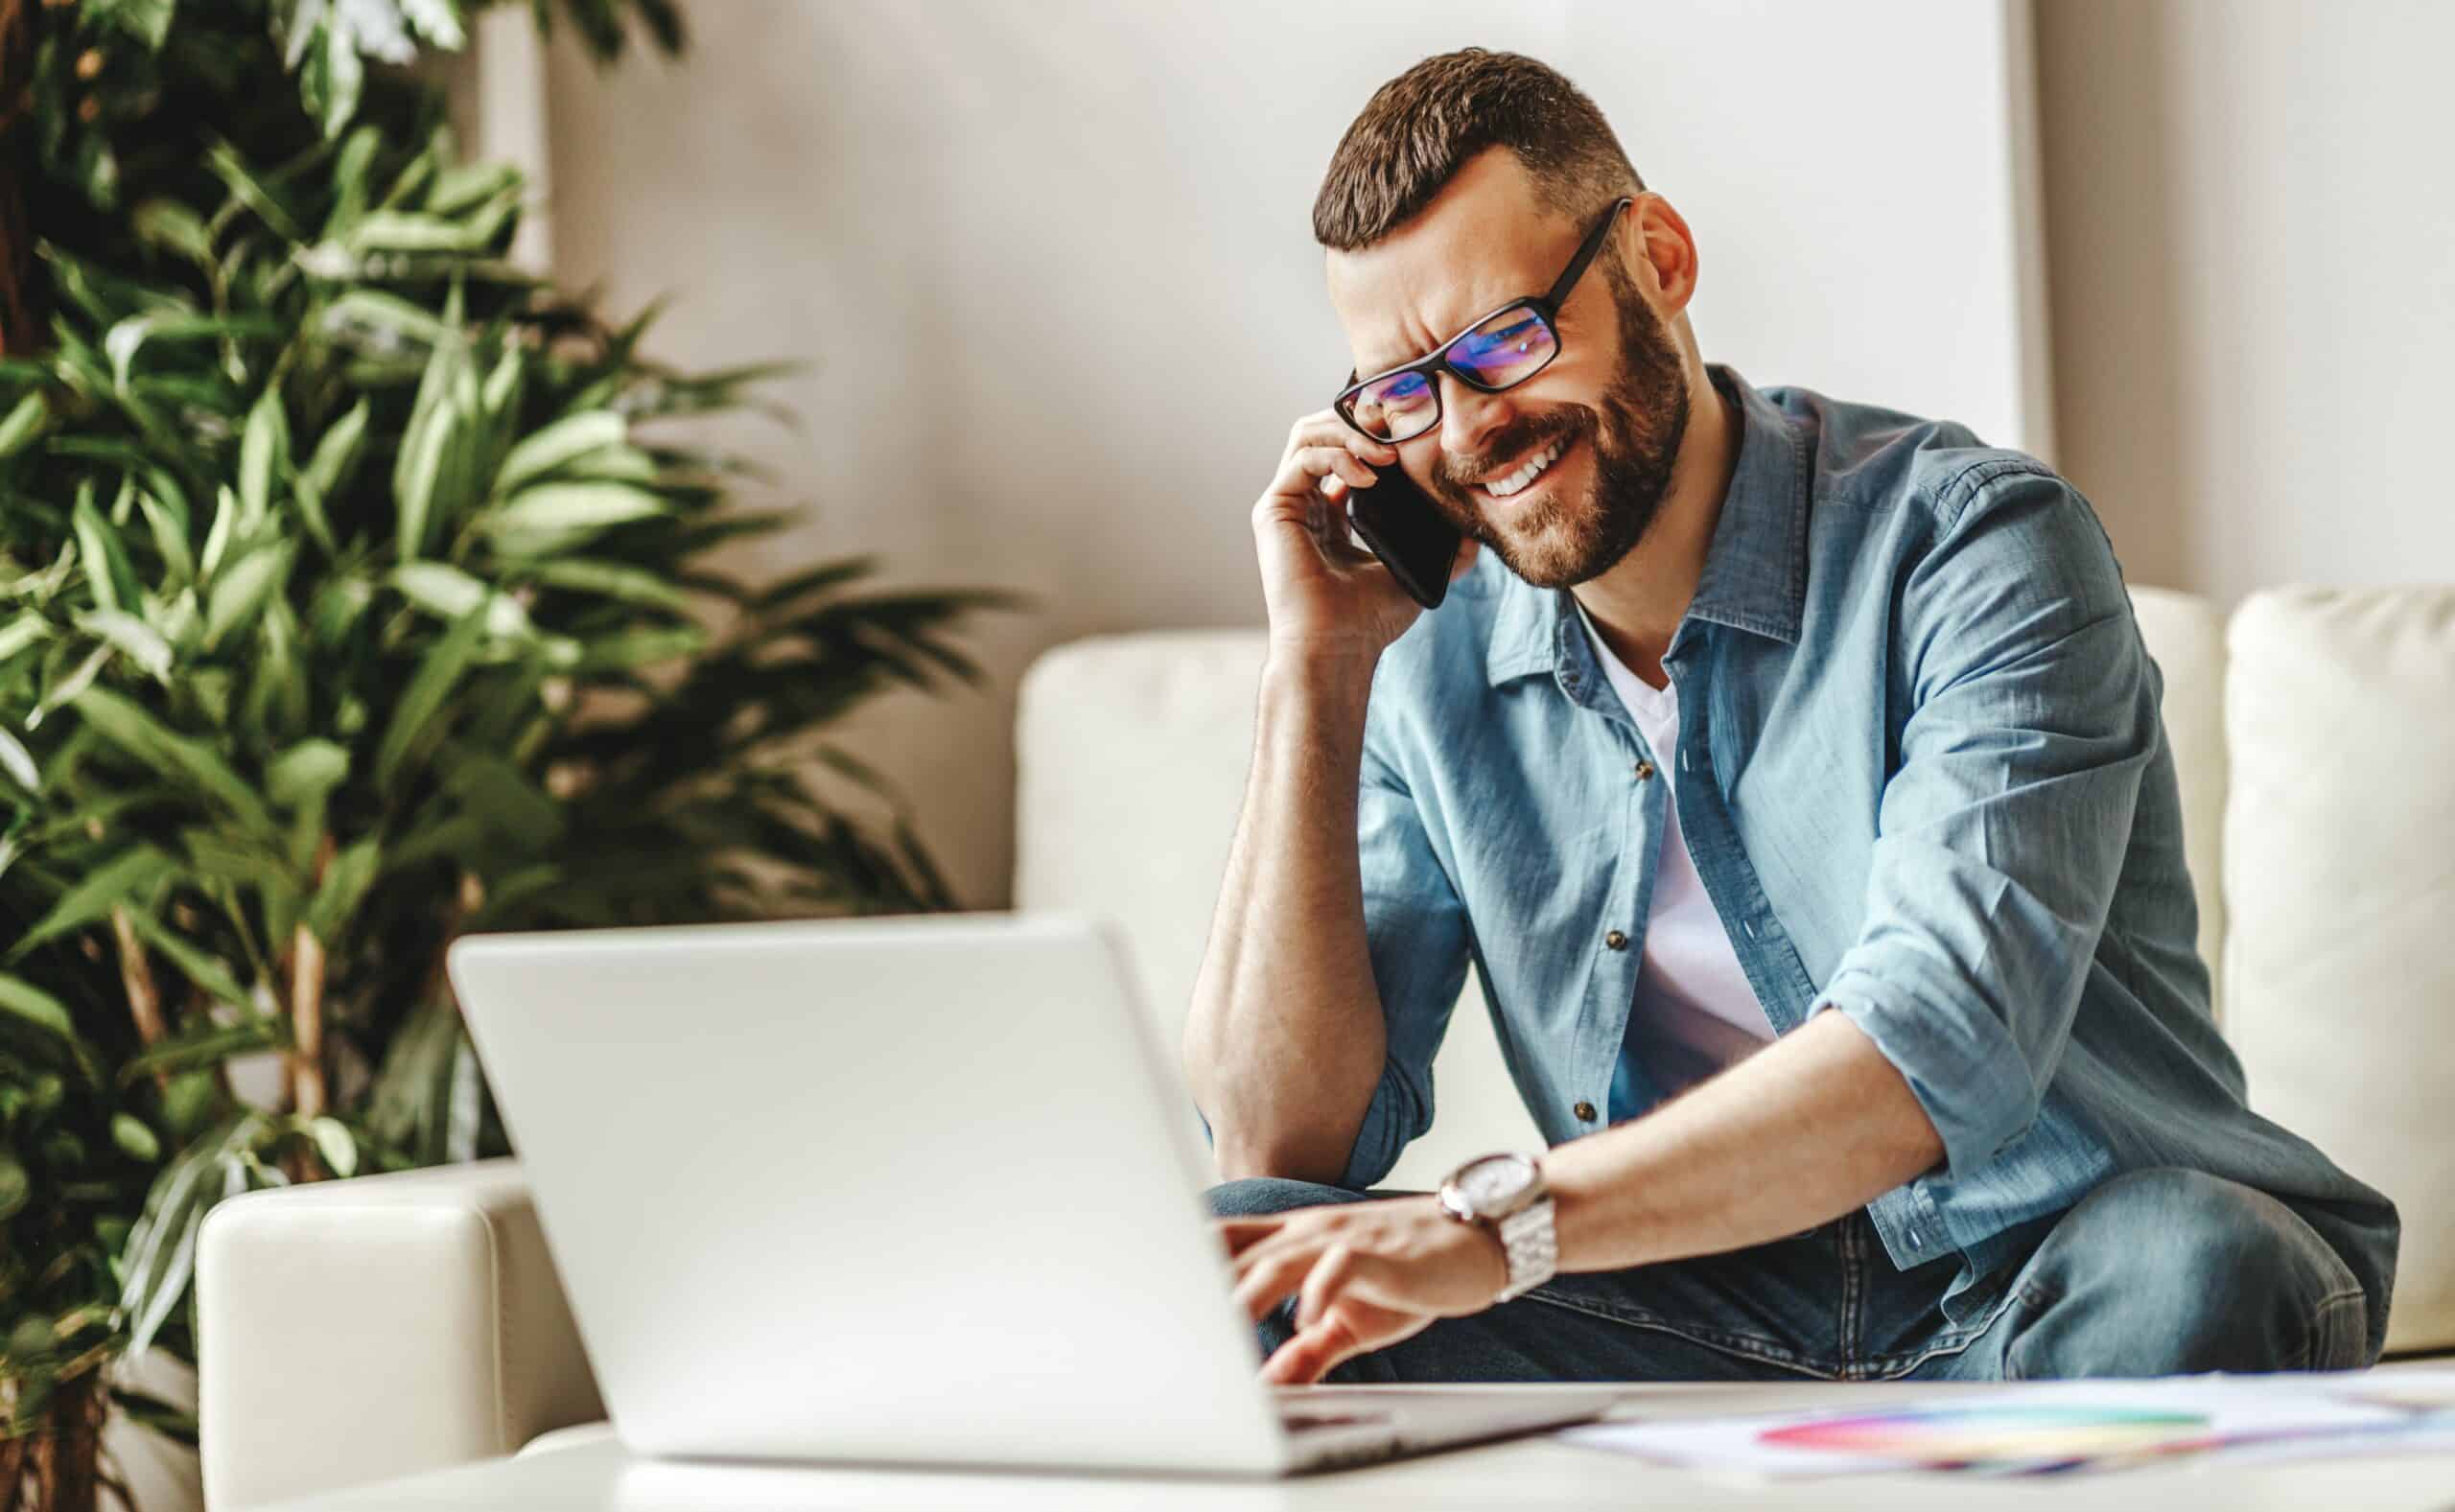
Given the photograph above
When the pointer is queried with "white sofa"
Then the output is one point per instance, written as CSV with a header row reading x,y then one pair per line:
x,y
360,1329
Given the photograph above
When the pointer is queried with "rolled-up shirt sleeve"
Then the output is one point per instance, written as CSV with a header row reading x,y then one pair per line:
x,y
1416,930
2003,829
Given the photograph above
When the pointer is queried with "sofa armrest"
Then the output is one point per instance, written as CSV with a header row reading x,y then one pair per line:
x,y
356,1330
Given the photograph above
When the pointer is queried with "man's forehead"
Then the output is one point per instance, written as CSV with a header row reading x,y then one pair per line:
x,y
1464,255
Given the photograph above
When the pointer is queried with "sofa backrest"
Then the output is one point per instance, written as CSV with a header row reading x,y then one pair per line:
x,y
1131,753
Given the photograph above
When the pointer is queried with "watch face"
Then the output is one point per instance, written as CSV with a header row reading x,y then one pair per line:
x,y
1491,1184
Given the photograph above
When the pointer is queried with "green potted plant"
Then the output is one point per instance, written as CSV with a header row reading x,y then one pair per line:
x,y
355,592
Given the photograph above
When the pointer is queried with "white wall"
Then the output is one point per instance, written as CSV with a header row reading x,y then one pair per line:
x,y
2252,240
1054,267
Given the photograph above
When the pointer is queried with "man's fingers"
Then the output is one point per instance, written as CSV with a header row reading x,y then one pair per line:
x,y
1313,1352
1271,1281
1240,1234
1323,1283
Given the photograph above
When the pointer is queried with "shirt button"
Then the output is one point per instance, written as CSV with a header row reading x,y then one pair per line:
x,y
1644,771
1584,1112
1616,941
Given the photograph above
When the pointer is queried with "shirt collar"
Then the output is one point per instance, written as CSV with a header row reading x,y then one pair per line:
x,y
1755,574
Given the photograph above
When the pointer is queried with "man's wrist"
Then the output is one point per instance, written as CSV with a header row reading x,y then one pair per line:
x,y
1506,1195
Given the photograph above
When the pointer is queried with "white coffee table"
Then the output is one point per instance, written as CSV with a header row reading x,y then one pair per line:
x,y
586,1470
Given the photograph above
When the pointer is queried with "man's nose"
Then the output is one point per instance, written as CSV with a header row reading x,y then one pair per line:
x,y
1468,417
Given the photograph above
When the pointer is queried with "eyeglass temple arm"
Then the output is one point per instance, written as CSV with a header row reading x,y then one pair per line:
x,y
1585,254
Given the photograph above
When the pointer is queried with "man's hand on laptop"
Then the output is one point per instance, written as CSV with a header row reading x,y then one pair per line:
x,y
1364,1276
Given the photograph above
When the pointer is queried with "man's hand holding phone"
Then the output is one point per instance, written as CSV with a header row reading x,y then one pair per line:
x,y
1326,596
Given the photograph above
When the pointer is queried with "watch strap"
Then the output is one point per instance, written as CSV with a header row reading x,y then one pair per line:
x,y
1531,1244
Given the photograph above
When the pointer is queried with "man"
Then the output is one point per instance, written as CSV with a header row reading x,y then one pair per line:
x,y
1792,773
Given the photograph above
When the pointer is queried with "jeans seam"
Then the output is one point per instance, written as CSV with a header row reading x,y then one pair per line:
x,y
2321,1327
1738,1345
1853,1284
1900,1363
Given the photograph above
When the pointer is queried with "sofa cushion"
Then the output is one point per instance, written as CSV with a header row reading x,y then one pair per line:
x,y
2340,887
1131,758
2186,635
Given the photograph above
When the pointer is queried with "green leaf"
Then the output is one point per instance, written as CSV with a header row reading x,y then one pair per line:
x,y
140,735
106,567
20,763
169,522
420,467
263,445
127,337
467,184
636,585
306,771
337,453
349,178
337,605
202,967
217,536
210,1045
168,223
310,502
335,1144
450,593
567,439
343,74
139,641
22,632
380,320
638,649
34,1006
14,1187
24,422
124,878
72,686
149,21
134,1139
345,885
217,857
423,699
502,795
250,191
161,1248
239,594
552,516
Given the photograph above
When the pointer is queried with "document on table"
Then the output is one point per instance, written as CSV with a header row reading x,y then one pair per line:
x,y
2049,1427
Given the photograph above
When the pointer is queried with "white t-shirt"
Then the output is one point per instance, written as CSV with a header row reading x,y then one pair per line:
x,y
1695,1012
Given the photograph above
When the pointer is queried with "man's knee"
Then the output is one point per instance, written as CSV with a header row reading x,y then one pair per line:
x,y
2168,1271
1261,1197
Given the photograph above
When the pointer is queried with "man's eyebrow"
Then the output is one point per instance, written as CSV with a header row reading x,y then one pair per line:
x,y
1371,369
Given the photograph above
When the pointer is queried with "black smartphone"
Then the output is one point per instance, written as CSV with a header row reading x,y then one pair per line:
x,y
1400,524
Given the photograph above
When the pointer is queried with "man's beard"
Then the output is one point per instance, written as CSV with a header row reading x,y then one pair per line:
x,y
1561,541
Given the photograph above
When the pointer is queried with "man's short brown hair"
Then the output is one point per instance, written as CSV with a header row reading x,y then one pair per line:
x,y
1421,127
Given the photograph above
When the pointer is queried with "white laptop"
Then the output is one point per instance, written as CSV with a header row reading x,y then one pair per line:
x,y
917,1190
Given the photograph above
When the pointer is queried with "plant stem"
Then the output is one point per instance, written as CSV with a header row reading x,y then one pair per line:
x,y
307,1018
59,1465
144,997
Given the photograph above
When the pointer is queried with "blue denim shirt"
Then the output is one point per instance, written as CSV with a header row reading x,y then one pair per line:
x,y
1923,777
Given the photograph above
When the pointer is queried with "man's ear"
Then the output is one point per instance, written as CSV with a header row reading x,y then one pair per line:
x,y
1660,254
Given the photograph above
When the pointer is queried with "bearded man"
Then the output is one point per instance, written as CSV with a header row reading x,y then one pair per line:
x,y
1790,772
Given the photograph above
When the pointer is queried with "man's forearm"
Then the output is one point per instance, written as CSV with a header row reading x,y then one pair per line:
x,y
1284,1043
1800,1132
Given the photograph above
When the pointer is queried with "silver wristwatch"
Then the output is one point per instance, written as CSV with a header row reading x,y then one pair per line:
x,y
1505,1195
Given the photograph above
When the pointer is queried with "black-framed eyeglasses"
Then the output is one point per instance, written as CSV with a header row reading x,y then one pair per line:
x,y
1499,350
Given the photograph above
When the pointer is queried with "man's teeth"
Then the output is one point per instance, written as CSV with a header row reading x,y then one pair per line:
x,y
1502,487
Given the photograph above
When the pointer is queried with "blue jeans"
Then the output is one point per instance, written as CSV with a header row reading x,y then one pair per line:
x,y
2154,1272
